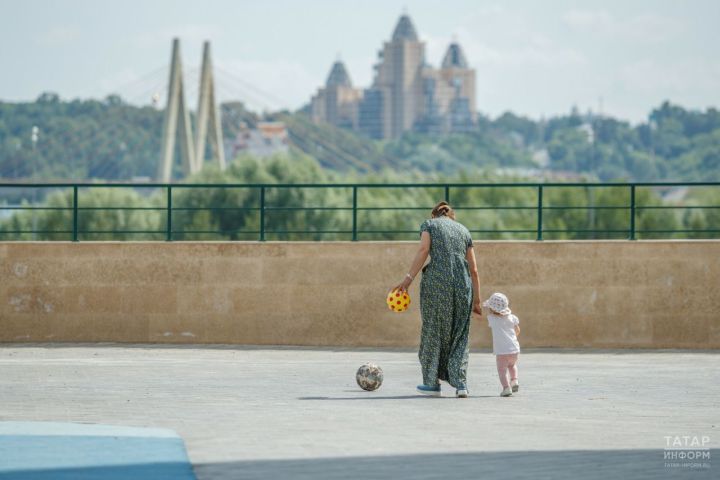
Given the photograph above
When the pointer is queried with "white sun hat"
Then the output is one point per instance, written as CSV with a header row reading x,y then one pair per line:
x,y
498,303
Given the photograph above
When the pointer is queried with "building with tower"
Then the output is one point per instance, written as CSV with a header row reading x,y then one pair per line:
x,y
406,94
338,102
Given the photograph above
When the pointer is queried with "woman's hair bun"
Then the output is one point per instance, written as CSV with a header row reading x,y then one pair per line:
x,y
443,209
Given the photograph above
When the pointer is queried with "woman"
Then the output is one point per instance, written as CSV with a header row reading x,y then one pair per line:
x,y
449,293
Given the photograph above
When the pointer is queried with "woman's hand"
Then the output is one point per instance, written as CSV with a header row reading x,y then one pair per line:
x,y
403,286
477,307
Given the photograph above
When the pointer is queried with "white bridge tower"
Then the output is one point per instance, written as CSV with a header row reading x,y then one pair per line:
x,y
177,126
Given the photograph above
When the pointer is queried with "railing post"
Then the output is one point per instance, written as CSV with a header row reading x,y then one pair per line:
x,y
632,212
539,213
262,214
354,214
447,193
75,214
168,226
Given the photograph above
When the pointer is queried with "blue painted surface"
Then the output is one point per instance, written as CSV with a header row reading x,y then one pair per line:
x,y
45,450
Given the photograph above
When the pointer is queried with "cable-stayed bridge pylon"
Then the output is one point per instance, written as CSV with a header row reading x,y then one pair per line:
x,y
177,126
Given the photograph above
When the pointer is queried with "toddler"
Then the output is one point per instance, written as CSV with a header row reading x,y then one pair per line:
x,y
505,330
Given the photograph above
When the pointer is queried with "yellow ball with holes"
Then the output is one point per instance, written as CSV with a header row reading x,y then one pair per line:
x,y
398,301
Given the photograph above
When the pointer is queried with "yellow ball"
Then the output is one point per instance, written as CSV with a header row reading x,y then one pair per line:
x,y
398,301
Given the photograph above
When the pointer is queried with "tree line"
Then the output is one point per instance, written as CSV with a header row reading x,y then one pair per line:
x,y
111,140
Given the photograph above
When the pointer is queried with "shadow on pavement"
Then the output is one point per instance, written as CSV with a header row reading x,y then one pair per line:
x,y
369,397
145,471
397,397
558,465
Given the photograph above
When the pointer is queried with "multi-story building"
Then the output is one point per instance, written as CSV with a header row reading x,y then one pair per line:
x,y
338,102
406,93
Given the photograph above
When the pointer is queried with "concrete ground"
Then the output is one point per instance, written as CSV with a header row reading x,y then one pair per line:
x,y
297,413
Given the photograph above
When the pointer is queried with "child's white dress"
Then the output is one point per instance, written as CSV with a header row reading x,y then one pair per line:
x,y
503,331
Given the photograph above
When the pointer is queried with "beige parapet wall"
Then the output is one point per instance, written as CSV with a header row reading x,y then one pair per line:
x,y
647,294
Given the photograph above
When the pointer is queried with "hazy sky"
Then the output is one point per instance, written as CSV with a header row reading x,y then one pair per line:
x,y
533,57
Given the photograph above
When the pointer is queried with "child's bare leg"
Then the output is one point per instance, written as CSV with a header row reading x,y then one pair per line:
x,y
502,368
512,367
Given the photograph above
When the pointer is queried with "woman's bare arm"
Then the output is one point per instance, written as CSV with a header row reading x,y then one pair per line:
x,y
417,262
475,277
517,330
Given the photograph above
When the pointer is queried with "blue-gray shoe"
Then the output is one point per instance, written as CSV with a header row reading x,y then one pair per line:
x,y
461,392
427,390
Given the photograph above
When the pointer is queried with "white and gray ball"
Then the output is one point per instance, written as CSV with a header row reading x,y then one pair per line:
x,y
369,377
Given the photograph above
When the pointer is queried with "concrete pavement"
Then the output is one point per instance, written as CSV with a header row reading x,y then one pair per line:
x,y
297,413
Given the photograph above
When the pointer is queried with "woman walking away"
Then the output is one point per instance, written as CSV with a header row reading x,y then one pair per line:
x,y
449,293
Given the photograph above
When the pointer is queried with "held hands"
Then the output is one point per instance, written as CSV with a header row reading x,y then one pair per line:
x,y
477,307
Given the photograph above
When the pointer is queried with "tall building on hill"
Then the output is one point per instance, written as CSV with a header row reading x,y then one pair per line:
x,y
337,103
406,94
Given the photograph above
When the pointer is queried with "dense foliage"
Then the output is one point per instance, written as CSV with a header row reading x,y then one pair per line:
x,y
111,140
79,139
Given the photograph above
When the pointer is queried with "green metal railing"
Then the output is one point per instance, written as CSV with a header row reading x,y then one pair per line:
x,y
539,205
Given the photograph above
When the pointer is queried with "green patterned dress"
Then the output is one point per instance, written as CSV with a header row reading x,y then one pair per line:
x,y
445,304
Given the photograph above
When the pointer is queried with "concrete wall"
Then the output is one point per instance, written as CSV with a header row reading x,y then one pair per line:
x,y
567,294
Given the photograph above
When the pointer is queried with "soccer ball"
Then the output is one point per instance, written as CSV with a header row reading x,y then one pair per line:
x,y
369,377
398,301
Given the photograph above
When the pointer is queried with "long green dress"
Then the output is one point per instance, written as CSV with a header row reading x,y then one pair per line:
x,y
445,304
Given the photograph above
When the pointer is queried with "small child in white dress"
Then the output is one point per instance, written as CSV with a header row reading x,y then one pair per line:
x,y
505,330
